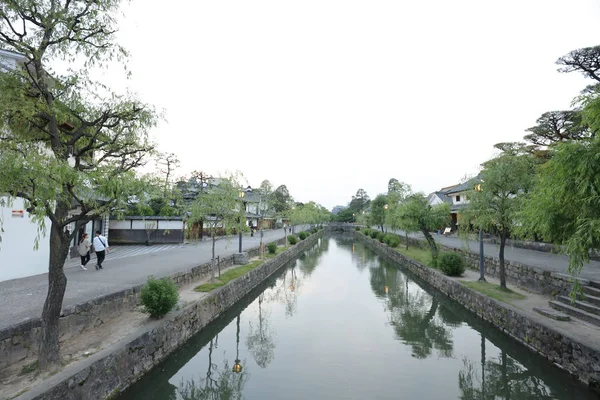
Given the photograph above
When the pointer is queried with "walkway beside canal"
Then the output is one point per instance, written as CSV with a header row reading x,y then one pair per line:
x,y
547,261
24,298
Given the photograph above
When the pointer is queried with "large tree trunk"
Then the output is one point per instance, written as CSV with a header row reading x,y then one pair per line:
x,y
432,244
49,348
501,257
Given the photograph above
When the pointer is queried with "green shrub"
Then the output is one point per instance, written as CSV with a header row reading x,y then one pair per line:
x,y
272,248
303,235
159,296
357,228
314,230
373,233
451,264
391,240
380,236
292,240
366,231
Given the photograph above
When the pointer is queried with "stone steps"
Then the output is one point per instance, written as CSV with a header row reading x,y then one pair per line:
x,y
575,312
591,299
595,284
594,291
581,304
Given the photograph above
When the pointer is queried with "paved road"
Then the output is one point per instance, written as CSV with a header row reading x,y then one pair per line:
x,y
547,261
24,298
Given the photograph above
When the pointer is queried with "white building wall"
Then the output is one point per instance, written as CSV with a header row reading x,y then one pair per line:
x,y
18,258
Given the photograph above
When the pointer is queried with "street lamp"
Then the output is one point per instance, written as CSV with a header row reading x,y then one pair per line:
x,y
237,367
241,195
478,188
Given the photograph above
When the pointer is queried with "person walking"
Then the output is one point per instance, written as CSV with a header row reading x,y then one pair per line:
x,y
84,250
101,248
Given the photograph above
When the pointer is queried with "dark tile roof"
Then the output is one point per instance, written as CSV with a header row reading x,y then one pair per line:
x,y
468,185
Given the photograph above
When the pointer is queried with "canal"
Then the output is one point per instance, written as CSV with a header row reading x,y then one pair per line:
x,y
342,323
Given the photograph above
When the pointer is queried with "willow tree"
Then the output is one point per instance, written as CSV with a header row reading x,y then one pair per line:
x,y
417,215
220,207
66,142
495,202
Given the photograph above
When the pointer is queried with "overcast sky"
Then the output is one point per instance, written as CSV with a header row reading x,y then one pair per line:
x,y
331,96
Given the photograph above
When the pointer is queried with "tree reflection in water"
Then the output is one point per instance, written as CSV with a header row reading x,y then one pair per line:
x,y
219,383
502,378
288,287
260,340
413,312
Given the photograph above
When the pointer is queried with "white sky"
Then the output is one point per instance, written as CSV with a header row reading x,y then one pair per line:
x,y
331,96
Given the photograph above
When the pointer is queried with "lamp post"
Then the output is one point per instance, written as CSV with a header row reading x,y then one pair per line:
x,y
237,367
385,207
478,188
241,195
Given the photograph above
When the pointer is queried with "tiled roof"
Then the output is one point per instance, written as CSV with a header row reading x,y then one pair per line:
x,y
468,185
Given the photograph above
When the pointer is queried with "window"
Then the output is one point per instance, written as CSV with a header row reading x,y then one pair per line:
x,y
457,199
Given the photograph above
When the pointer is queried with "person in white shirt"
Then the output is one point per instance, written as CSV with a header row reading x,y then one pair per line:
x,y
101,248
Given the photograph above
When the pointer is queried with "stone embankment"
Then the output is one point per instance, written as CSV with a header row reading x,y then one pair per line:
x,y
110,371
574,356
534,279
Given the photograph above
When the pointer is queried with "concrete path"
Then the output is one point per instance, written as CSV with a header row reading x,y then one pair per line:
x,y
24,298
547,261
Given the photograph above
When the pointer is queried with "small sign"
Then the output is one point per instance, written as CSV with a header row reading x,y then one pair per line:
x,y
18,214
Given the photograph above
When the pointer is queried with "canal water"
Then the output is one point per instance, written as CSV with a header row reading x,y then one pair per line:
x,y
342,323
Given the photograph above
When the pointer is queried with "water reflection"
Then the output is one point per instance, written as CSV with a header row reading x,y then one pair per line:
x,y
261,338
341,323
222,382
413,313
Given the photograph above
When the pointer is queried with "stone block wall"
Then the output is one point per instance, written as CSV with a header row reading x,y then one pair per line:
x,y
535,279
109,374
575,357
20,342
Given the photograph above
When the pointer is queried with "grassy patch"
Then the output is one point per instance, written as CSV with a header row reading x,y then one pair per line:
x,y
29,368
229,276
421,255
494,291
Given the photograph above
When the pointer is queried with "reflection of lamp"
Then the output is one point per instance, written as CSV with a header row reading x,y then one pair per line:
x,y
386,290
237,367
479,188
353,247
292,287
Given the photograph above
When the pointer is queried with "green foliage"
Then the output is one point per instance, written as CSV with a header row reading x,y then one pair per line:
x,y
451,264
310,213
366,232
315,229
360,202
564,205
391,240
378,210
357,228
272,248
380,236
495,291
373,233
228,276
346,215
303,235
220,208
415,214
292,239
159,296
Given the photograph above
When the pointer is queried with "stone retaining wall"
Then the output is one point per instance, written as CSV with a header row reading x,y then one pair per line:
x,y
20,342
559,348
534,279
106,376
